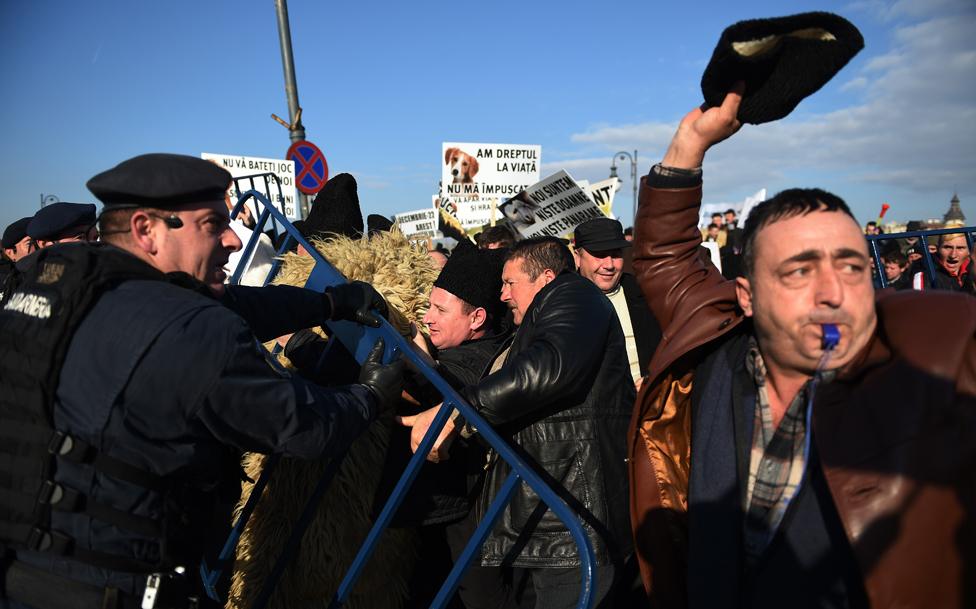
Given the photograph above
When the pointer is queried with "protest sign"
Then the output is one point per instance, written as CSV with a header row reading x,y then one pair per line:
x,y
487,171
285,200
741,209
553,207
418,224
713,253
470,214
748,204
602,194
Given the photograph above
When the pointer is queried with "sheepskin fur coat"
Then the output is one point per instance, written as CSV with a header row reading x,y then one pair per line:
x,y
404,275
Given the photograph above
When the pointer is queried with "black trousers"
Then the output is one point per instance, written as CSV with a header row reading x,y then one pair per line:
x,y
518,588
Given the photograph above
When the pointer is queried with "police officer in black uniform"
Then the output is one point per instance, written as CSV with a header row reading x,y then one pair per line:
x,y
131,386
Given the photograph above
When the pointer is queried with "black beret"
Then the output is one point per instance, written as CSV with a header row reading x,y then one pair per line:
x,y
52,220
475,276
163,181
781,60
15,232
600,235
335,209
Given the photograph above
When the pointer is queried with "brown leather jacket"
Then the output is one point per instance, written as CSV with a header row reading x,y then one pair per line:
x,y
903,479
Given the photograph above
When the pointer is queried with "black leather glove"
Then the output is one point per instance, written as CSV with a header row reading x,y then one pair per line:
x,y
353,301
384,381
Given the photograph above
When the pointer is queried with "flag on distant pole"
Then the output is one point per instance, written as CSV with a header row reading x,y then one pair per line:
x,y
884,209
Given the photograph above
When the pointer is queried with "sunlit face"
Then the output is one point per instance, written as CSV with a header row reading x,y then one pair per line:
x,y
809,270
952,252
603,268
893,270
447,322
519,290
200,247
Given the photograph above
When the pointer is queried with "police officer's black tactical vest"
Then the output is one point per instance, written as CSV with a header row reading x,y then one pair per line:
x,y
36,326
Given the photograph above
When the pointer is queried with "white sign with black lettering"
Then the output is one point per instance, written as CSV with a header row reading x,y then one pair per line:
x,y
418,224
285,199
553,207
488,171
602,194
470,214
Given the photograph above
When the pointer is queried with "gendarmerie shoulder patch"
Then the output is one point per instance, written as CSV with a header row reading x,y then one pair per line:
x,y
30,304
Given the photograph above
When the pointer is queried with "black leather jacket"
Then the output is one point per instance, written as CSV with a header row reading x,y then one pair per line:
x,y
563,398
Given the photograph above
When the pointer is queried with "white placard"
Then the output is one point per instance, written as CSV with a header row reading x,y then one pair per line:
x,y
488,171
602,194
553,207
712,248
742,209
470,214
285,201
419,223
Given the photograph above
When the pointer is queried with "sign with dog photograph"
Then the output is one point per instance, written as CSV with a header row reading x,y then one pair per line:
x,y
470,214
488,171
286,201
418,224
553,207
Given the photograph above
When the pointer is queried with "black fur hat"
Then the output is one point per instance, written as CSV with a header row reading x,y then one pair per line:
x,y
474,276
781,60
335,209
376,223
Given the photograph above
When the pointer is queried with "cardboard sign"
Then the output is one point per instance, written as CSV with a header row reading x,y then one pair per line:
x,y
285,201
418,224
553,207
487,171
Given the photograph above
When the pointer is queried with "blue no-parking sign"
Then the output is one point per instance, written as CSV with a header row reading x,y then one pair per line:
x,y
311,170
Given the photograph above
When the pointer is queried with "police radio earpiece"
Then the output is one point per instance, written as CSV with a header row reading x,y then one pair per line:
x,y
173,222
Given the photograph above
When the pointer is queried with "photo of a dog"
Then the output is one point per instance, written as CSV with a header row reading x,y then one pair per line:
x,y
520,210
463,166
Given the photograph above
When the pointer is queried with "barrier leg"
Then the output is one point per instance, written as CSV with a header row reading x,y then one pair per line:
x,y
474,544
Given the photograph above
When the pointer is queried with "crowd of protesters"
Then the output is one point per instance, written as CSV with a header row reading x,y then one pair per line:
x,y
668,405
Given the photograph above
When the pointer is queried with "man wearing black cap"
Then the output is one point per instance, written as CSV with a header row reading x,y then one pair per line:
x,y
599,257
16,245
63,222
120,455
562,393
466,327
16,242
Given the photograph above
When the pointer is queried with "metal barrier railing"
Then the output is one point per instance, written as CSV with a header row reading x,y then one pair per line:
x,y
359,340
922,243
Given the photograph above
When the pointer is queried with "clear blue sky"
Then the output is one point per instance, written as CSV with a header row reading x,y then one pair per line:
x,y
88,84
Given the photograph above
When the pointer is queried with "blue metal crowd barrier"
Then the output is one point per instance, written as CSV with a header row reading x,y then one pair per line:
x,y
921,235
359,340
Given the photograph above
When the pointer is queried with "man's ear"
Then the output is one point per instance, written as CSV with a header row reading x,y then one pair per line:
x,y
479,317
743,292
142,229
549,275
576,257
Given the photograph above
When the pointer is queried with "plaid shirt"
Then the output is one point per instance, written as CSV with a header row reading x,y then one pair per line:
x,y
776,461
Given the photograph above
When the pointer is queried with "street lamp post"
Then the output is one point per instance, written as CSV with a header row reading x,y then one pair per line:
x,y
624,155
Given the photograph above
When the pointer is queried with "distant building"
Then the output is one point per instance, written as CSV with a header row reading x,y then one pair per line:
x,y
954,215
